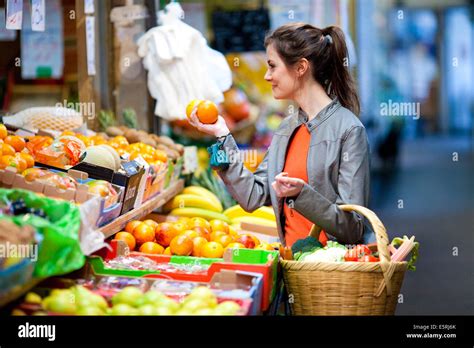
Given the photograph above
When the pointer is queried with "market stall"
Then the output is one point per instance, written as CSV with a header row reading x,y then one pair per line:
x,y
129,222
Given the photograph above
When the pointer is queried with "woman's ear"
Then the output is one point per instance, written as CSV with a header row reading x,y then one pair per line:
x,y
302,67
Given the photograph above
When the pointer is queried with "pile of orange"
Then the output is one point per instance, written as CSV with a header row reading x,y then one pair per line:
x,y
13,151
187,237
151,155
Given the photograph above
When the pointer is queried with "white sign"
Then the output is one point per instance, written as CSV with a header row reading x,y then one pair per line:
x,y
190,159
5,35
89,7
37,15
90,45
42,52
14,14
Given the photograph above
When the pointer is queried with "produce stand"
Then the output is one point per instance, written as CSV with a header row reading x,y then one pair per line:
x,y
161,231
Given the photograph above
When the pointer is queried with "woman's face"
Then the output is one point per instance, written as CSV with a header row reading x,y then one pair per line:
x,y
283,80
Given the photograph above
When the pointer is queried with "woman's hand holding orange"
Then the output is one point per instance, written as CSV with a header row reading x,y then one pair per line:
x,y
217,129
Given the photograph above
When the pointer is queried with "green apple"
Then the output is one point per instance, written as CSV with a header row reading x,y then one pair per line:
x,y
123,309
163,311
169,303
152,297
204,311
129,295
99,301
89,310
227,308
147,309
203,293
184,312
62,304
195,304
32,297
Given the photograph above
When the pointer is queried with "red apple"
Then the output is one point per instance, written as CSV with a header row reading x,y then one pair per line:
x,y
247,241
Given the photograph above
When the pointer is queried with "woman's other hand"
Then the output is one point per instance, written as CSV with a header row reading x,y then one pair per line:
x,y
286,186
218,129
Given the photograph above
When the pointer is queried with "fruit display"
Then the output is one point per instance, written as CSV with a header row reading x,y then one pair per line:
x,y
79,300
121,137
13,151
188,236
207,179
63,152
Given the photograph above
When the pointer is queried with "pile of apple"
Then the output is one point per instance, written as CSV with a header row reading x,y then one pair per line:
x,y
131,301
188,237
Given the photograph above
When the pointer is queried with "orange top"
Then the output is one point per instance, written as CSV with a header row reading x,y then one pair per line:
x,y
296,225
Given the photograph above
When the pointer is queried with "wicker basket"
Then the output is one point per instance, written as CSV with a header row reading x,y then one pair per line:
x,y
348,288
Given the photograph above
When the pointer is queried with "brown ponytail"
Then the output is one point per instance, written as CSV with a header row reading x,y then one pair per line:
x,y
326,51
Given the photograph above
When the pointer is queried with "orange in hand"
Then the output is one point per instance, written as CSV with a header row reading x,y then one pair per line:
x,y
207,112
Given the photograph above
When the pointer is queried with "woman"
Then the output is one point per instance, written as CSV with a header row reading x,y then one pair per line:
x,y
319,157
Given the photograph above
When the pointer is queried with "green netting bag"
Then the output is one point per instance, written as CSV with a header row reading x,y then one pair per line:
x,y
60,250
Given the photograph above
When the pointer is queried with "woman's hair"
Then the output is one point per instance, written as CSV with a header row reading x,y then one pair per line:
x,y
326,51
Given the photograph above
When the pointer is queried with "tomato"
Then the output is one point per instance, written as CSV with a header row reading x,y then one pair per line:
x,y
363,250
369,258
351,255
357,252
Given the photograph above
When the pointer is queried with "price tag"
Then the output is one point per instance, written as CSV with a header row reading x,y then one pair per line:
x,y
37,15
90,44
14,14
190,159
89,7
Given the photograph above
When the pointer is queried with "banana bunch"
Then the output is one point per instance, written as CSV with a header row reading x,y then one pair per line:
x,y
196,201
262,216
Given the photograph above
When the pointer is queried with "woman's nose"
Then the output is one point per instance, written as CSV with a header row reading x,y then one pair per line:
x,y
268,76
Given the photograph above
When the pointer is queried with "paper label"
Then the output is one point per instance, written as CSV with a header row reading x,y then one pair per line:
x,y
14,14
37,15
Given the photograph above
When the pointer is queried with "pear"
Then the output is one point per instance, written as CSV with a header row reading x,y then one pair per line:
x,y
123,309
129,295
32,297
147,309
227,308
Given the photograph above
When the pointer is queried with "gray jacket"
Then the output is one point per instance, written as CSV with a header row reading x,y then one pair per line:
x,y
337,166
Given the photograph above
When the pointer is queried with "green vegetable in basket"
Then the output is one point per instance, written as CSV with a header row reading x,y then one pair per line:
x,y
332,252
304,245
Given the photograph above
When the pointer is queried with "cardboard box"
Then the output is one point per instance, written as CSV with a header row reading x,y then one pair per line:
x,y
130,179
108,210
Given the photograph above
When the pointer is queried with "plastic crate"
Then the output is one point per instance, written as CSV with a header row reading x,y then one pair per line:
x,y
249,260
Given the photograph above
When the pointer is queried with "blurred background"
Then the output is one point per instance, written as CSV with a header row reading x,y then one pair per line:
x,y
412,60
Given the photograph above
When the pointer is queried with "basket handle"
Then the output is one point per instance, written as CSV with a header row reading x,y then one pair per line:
x,y
387,266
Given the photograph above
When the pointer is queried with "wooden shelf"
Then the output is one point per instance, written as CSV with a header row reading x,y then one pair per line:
x,y
119,223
